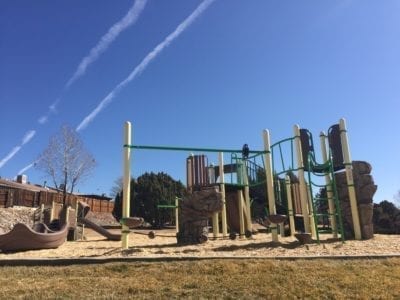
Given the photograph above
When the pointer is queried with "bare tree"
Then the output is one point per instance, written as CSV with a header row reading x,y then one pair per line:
x,y
65,160
117,187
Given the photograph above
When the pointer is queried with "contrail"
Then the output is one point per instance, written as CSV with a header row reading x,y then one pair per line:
x,y
106,40
129,19
9,155
27,137
142,66
52,110
26,168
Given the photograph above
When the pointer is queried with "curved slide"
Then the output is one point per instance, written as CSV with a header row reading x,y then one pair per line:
x,y
22,238
104,232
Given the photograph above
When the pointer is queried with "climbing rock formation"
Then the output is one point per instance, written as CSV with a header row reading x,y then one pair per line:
x,y
194,212
365,189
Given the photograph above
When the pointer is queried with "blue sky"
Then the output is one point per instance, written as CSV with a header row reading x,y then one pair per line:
x,y
235,68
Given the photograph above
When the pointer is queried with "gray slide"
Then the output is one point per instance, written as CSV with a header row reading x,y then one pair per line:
x,y
104,232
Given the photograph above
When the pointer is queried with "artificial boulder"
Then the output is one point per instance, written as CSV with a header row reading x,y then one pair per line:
x,y
194,213
365,189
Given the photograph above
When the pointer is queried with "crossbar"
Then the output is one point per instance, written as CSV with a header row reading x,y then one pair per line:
x,y
171,148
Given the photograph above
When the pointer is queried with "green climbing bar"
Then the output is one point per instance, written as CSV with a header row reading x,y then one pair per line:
x,y
170,148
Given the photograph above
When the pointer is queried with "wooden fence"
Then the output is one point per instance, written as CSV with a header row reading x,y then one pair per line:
x,y
19,197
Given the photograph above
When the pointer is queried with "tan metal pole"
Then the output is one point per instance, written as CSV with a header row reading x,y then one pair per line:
x,y
126,184
222,190
177,214
240,209
270,182
350,180
302,182
311,210
215,224
290,205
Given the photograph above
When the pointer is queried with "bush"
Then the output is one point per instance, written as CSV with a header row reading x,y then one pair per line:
x,y
149,191
386,218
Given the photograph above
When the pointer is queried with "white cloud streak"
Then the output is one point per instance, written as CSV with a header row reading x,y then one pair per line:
x,y
43,120
9,155
129,19
26,168
51,110
27,137
145,62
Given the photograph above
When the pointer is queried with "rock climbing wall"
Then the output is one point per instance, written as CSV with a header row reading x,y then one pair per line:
x,y
365,189
194,213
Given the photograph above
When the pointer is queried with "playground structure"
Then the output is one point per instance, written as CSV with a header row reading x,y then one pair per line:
x,y
40,236
297,163
54,225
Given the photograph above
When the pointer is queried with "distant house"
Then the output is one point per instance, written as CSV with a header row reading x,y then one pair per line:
x,y
97,197
22,193
21,184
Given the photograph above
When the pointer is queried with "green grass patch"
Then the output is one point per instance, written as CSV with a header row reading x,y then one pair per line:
x,y
226,279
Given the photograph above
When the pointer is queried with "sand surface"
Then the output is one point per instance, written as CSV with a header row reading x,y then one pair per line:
x,y
164,245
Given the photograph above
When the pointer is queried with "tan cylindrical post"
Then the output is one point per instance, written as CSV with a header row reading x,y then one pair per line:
x,y
189,172
126,184
177,214
350,180
222,190
328,182
67,215
52,211
311,209
290,205
270,182
240,210
76,211
215,224
302,181
83,232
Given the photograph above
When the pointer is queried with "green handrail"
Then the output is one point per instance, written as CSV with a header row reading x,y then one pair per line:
x,y
279,146
173,148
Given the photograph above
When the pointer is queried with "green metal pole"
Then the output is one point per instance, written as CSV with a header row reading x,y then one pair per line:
x,y
172,148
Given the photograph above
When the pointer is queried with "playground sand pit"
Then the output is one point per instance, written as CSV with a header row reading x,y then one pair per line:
x,y
164,245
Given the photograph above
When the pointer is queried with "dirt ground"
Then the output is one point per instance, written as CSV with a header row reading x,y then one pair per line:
x,y
164,244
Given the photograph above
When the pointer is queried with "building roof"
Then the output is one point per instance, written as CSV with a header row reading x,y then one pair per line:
x,y
98,197
4,183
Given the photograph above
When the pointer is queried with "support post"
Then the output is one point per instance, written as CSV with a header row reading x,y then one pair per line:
x,y
247,207
270,182
240,210
222,190
302,182
350,180
177,214
314,229
126,185
290,205
329,191
52,211
215,224
189,173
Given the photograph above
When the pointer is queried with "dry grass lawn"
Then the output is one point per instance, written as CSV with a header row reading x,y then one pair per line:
x,y
218,278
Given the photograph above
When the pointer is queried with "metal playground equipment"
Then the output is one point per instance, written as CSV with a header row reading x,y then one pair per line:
x,y
293,158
